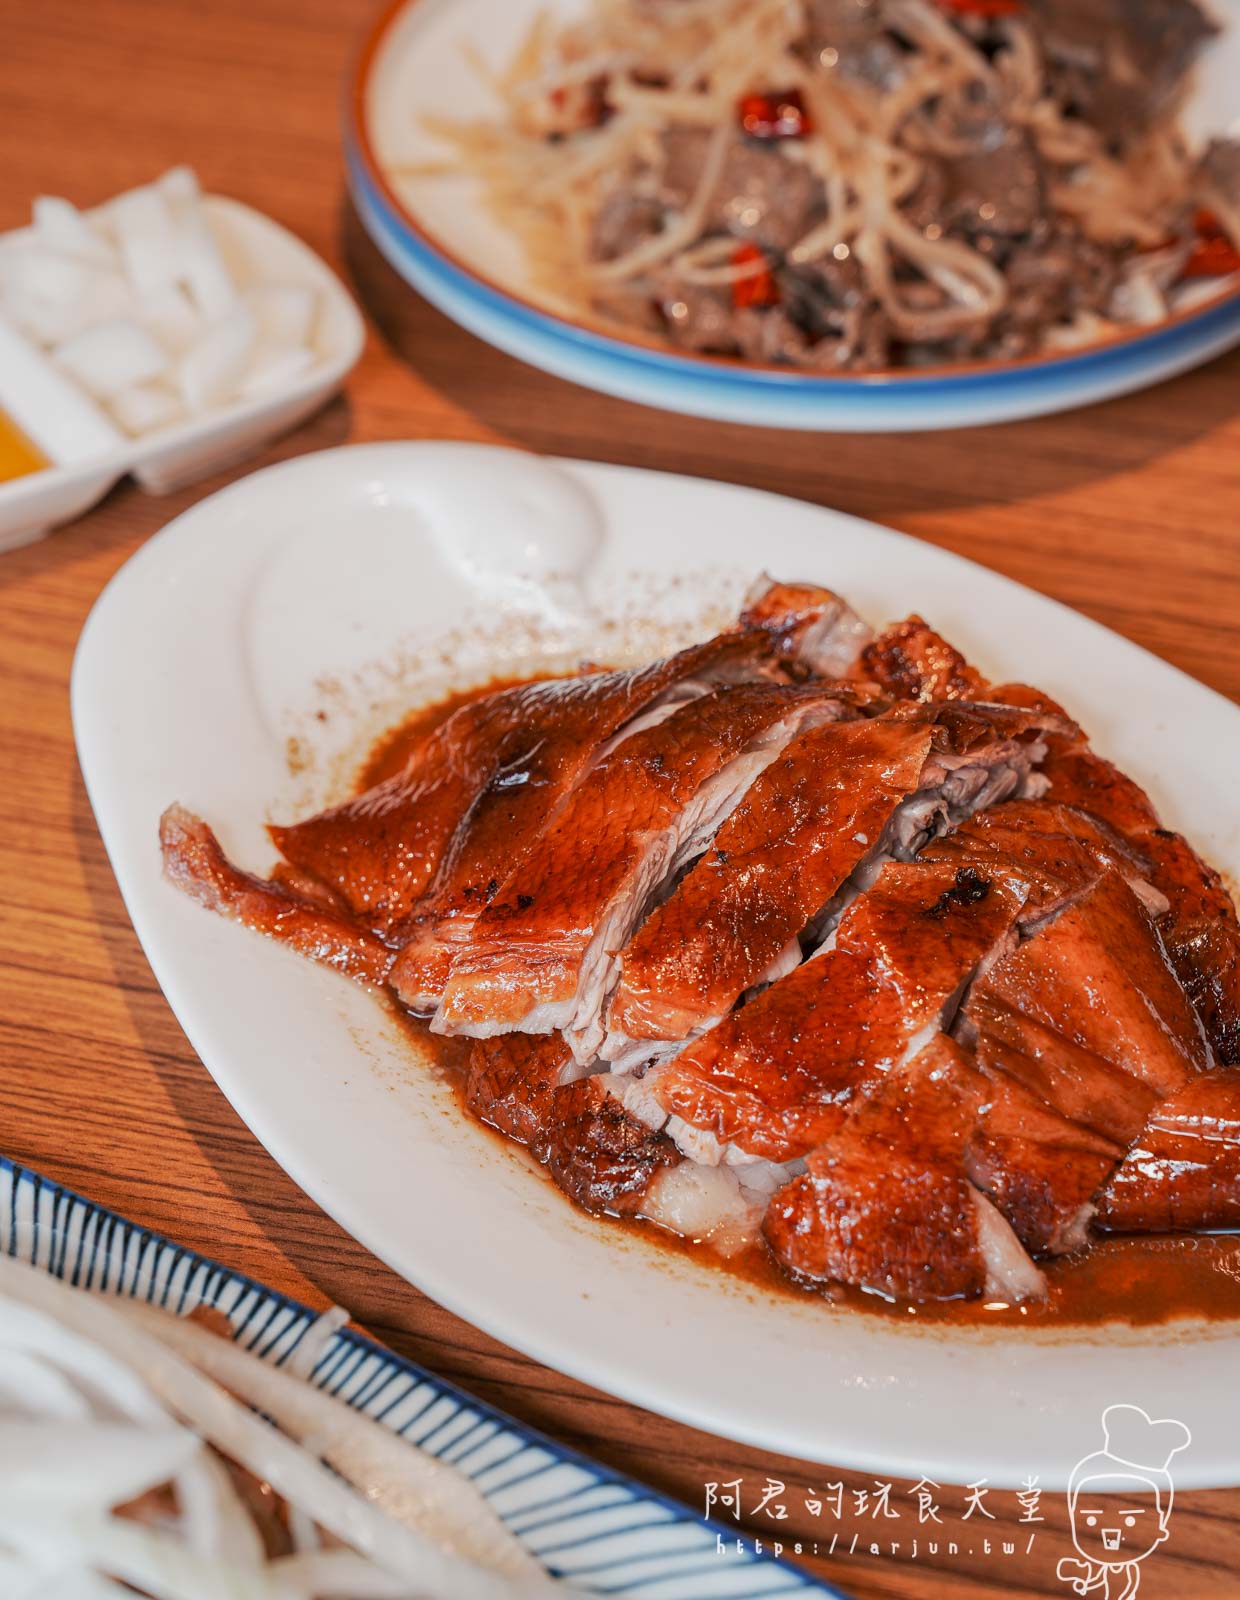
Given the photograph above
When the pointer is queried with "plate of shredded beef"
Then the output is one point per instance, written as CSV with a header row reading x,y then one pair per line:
x,y
817,213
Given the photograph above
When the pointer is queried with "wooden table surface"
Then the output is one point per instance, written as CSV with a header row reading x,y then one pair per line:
x,y
1126,511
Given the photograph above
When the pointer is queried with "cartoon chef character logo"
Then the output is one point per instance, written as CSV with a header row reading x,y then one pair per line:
x,y
1119,1500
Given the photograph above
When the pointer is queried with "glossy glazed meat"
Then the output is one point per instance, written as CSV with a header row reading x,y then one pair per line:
x,y
196,864
896,1225
912,662
1200,928
810,834
805,934
601,1156
774,865
1182,1174
776,1077
486,778
544,954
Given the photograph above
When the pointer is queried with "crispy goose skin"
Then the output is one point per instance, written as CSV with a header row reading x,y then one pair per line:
x,y
597,1152
1201,930
194,861
501,761
812,830
912,662
602,1157
897,1225
776,1077
544,952
1183,1172
788,847
1019,986
1098,979
812,627
1056,851
510,1081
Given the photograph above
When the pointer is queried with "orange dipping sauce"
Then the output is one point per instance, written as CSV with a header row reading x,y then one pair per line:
x,y
18,455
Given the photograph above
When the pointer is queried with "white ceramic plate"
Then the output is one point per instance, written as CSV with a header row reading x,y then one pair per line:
x,y
439,235
345,582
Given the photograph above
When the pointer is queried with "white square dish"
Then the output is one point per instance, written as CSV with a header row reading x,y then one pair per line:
x,y
165,460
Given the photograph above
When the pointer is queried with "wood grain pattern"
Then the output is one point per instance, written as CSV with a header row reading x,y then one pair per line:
x,y
1126,511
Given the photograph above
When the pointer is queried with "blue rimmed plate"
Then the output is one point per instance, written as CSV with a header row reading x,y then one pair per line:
x,y
602,1531
437,233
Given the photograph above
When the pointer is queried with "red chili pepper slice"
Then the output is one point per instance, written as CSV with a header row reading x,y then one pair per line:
x,y
756,289
779,115
983,8
582,105
1214,255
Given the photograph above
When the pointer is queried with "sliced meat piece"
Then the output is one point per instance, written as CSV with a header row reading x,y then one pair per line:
x,y
896,1225
1070,1078
763,192
803,827
1089,1015
1200,929
598,1153
510,1081
849,36
696,316
995,186
510,811
1183,1173
1038,1169
709,1205
912,662
812,627
380,851
195,863
545,953
1054,852
1052,277
1120,62
810,835
776,1077
625,217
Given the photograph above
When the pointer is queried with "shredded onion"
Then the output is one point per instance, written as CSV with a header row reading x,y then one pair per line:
x,y
128,1402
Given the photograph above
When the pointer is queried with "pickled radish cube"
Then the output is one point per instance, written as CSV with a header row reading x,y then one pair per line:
x,y
143,407
201,268
171,316
212,369
61,227
111,356
51,323
179,187
285,311
276,366
146,236
47,276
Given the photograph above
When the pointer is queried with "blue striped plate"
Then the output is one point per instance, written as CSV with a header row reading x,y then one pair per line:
x,y
603,1531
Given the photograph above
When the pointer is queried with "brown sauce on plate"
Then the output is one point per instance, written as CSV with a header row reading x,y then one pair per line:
x,y
1143,1282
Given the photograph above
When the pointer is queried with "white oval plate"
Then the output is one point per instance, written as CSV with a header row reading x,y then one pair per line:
x,y
438,233
345,582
